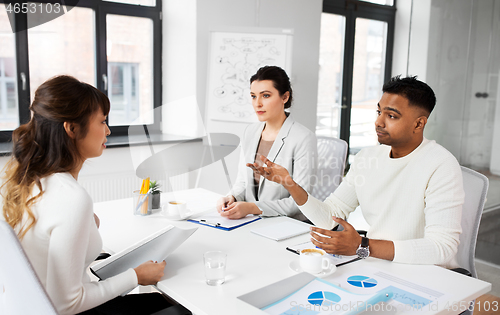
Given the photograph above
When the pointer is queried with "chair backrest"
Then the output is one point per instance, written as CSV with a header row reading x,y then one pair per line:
x,y
332,153
475,188
20,290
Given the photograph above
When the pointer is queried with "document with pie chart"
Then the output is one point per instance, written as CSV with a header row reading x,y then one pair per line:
x,y
321,297
408,296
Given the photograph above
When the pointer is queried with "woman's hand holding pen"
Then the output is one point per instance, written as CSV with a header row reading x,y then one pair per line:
x,y
272,172
224,202
150,272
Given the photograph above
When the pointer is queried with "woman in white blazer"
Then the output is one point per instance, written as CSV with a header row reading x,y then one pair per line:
x,y
282,140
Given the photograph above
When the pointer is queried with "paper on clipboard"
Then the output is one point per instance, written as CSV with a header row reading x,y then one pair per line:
x,y
283,230
217,221
410,296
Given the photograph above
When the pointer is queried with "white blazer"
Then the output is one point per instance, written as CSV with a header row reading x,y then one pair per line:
x,y
295,148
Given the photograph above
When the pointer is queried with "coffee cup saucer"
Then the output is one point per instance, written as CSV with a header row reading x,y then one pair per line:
x,y
177,217
295,266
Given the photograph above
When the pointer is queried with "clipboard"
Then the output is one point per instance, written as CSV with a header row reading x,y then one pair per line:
x,y
222,223
282,231
157,246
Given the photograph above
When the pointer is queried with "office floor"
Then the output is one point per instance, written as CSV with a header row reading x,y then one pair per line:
x,y
486,305
490,273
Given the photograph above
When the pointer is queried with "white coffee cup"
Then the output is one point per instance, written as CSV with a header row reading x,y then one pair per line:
x,y
314,260
177,208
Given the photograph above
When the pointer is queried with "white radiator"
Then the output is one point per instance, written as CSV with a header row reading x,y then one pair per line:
x,y
117,186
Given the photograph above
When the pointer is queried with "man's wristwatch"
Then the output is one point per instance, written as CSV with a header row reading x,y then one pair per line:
x,y
363,250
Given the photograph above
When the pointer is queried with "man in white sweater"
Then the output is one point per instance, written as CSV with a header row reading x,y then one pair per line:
x,y
409,188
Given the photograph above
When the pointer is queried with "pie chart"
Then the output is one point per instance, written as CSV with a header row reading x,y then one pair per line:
x,y
362,281
323,298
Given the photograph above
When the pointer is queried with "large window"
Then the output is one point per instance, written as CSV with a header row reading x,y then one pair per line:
x,y
9,113
368,77
355,61
330,74
124,93
112,45
130,68
65,45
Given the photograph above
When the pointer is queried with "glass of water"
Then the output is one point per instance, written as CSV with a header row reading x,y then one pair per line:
x,y
215,267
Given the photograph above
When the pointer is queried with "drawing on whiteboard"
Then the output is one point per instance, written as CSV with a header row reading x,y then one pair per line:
x,y
235,57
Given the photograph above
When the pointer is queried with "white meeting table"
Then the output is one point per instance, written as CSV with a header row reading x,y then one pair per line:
x,y
253,261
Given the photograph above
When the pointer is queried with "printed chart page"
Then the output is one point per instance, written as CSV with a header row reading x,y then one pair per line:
x,y
320,297
408,297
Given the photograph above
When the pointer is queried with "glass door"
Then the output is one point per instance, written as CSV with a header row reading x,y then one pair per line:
x,y
463,68
331,60
355,58
370,44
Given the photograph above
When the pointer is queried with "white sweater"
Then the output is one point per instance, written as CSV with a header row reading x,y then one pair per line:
x,y
415,201
63,243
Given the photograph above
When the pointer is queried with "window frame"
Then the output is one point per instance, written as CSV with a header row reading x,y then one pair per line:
x,y
101,10
351,10
4,80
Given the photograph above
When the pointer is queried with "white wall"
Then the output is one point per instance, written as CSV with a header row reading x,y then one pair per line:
x,y
401,38
180,109
447,71
459,57
185,51
186,26
420,27
304,17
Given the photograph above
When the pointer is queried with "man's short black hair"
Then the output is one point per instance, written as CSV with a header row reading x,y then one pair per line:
x,y
416,92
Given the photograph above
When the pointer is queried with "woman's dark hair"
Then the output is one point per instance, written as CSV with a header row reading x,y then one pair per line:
x,y
280,79
42,147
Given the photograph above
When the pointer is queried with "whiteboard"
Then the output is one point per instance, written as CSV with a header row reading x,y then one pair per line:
x,y
233,58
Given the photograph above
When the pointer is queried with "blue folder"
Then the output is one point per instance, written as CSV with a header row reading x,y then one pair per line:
x,y
223,223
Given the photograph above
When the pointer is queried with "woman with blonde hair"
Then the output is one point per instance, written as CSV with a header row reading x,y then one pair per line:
x,y
53,215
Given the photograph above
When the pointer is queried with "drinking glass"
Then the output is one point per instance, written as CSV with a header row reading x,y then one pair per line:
x,y
215,267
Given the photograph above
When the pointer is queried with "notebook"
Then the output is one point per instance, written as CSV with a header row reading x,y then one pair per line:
x,y
155,247
282,231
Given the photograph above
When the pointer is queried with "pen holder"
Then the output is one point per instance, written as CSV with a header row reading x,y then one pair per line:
x,y
142,203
